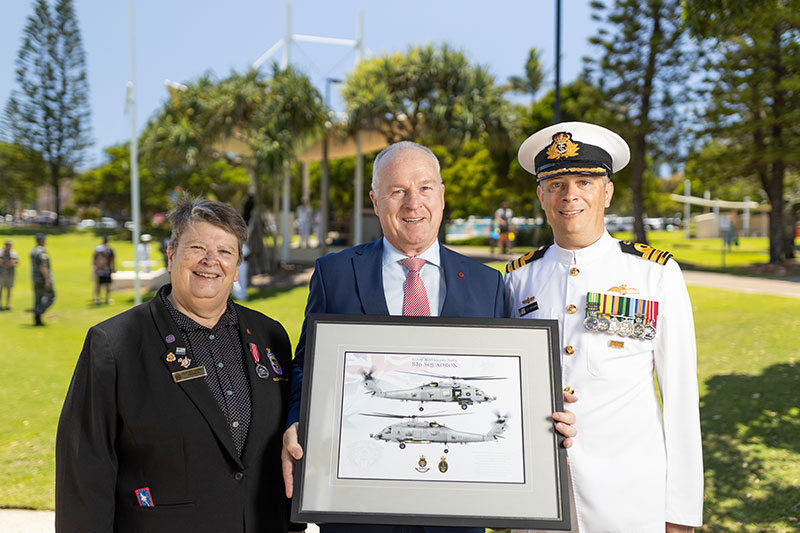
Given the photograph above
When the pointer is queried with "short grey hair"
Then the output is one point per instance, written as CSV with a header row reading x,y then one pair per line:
x,y
189,210
402,145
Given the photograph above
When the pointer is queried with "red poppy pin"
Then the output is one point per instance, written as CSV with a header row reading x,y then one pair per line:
x,y
460,274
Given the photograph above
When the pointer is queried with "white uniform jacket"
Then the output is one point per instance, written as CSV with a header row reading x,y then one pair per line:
x,y
632,470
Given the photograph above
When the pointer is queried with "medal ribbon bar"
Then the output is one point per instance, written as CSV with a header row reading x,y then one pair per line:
x,y
606,307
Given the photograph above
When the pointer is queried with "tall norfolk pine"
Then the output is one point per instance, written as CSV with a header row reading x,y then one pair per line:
x,y
642,64
754,98
49,112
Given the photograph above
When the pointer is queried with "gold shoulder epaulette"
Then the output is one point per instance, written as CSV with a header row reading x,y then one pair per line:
x,y
533,255
647,252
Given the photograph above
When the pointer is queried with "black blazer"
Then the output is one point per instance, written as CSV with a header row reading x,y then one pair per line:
x,y
127,425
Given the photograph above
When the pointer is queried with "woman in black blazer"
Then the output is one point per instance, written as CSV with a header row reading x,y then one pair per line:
x,y
174,415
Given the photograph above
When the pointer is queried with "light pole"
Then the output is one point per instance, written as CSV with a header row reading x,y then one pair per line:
x,y
135,201
325,178
557,104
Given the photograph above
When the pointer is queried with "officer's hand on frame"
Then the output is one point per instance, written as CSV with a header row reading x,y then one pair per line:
x,y
565,420
291,452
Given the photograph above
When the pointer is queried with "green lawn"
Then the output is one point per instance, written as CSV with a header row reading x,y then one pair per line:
x,y
707,253
748,364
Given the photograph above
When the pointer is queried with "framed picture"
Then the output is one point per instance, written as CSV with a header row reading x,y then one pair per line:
x,y
431,421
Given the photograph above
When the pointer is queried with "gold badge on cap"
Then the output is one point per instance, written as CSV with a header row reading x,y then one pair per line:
x,y
562,146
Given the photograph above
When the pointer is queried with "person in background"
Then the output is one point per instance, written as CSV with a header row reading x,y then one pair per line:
x,y
728,229
43,292
318,225
239,290
623,312
174,416
8,266
104,265
407,272
502,221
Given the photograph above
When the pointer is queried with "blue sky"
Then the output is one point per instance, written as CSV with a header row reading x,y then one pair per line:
x,y
181,39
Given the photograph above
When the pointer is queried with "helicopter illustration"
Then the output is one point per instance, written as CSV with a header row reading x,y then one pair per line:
x,y
442,389
415,430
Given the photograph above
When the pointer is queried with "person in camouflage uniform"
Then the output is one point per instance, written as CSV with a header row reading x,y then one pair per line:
x,y
43,293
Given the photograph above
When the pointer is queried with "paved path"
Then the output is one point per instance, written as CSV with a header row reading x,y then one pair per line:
x,y
743,283
19,521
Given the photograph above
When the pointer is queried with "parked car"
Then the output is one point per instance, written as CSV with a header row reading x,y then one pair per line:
x,y
672,223
46,217
108,222
653,224
87,223
616,223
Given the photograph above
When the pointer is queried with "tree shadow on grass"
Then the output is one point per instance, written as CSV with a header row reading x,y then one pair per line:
x,y
751,424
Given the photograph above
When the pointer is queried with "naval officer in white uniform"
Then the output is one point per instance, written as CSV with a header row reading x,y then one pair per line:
x,y
623,311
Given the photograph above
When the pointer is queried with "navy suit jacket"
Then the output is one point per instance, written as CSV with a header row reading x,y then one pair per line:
x,y
351,282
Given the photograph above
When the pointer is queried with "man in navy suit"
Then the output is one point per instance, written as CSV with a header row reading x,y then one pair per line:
x,y
408,197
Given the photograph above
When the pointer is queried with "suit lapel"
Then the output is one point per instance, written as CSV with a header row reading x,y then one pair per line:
x,y
367,268
456,281
195,389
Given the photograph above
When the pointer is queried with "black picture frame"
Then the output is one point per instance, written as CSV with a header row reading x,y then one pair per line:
x,y
356,378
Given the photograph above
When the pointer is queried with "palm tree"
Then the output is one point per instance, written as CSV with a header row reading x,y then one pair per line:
x,y
258,122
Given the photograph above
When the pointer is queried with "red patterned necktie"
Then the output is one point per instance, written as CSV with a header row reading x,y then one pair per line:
x,y
415,299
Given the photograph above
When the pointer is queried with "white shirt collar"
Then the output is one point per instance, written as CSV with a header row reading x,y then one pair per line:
x,y
393,255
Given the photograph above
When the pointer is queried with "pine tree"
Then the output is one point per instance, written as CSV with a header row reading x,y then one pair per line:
x,y
49,112
642,66
754,98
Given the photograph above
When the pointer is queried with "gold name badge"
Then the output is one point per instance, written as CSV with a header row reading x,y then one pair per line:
x,y
192,373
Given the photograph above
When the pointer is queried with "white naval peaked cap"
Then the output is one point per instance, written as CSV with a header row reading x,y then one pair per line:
x,y
573,148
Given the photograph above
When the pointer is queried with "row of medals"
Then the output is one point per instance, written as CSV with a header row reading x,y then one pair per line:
x,y
620,325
